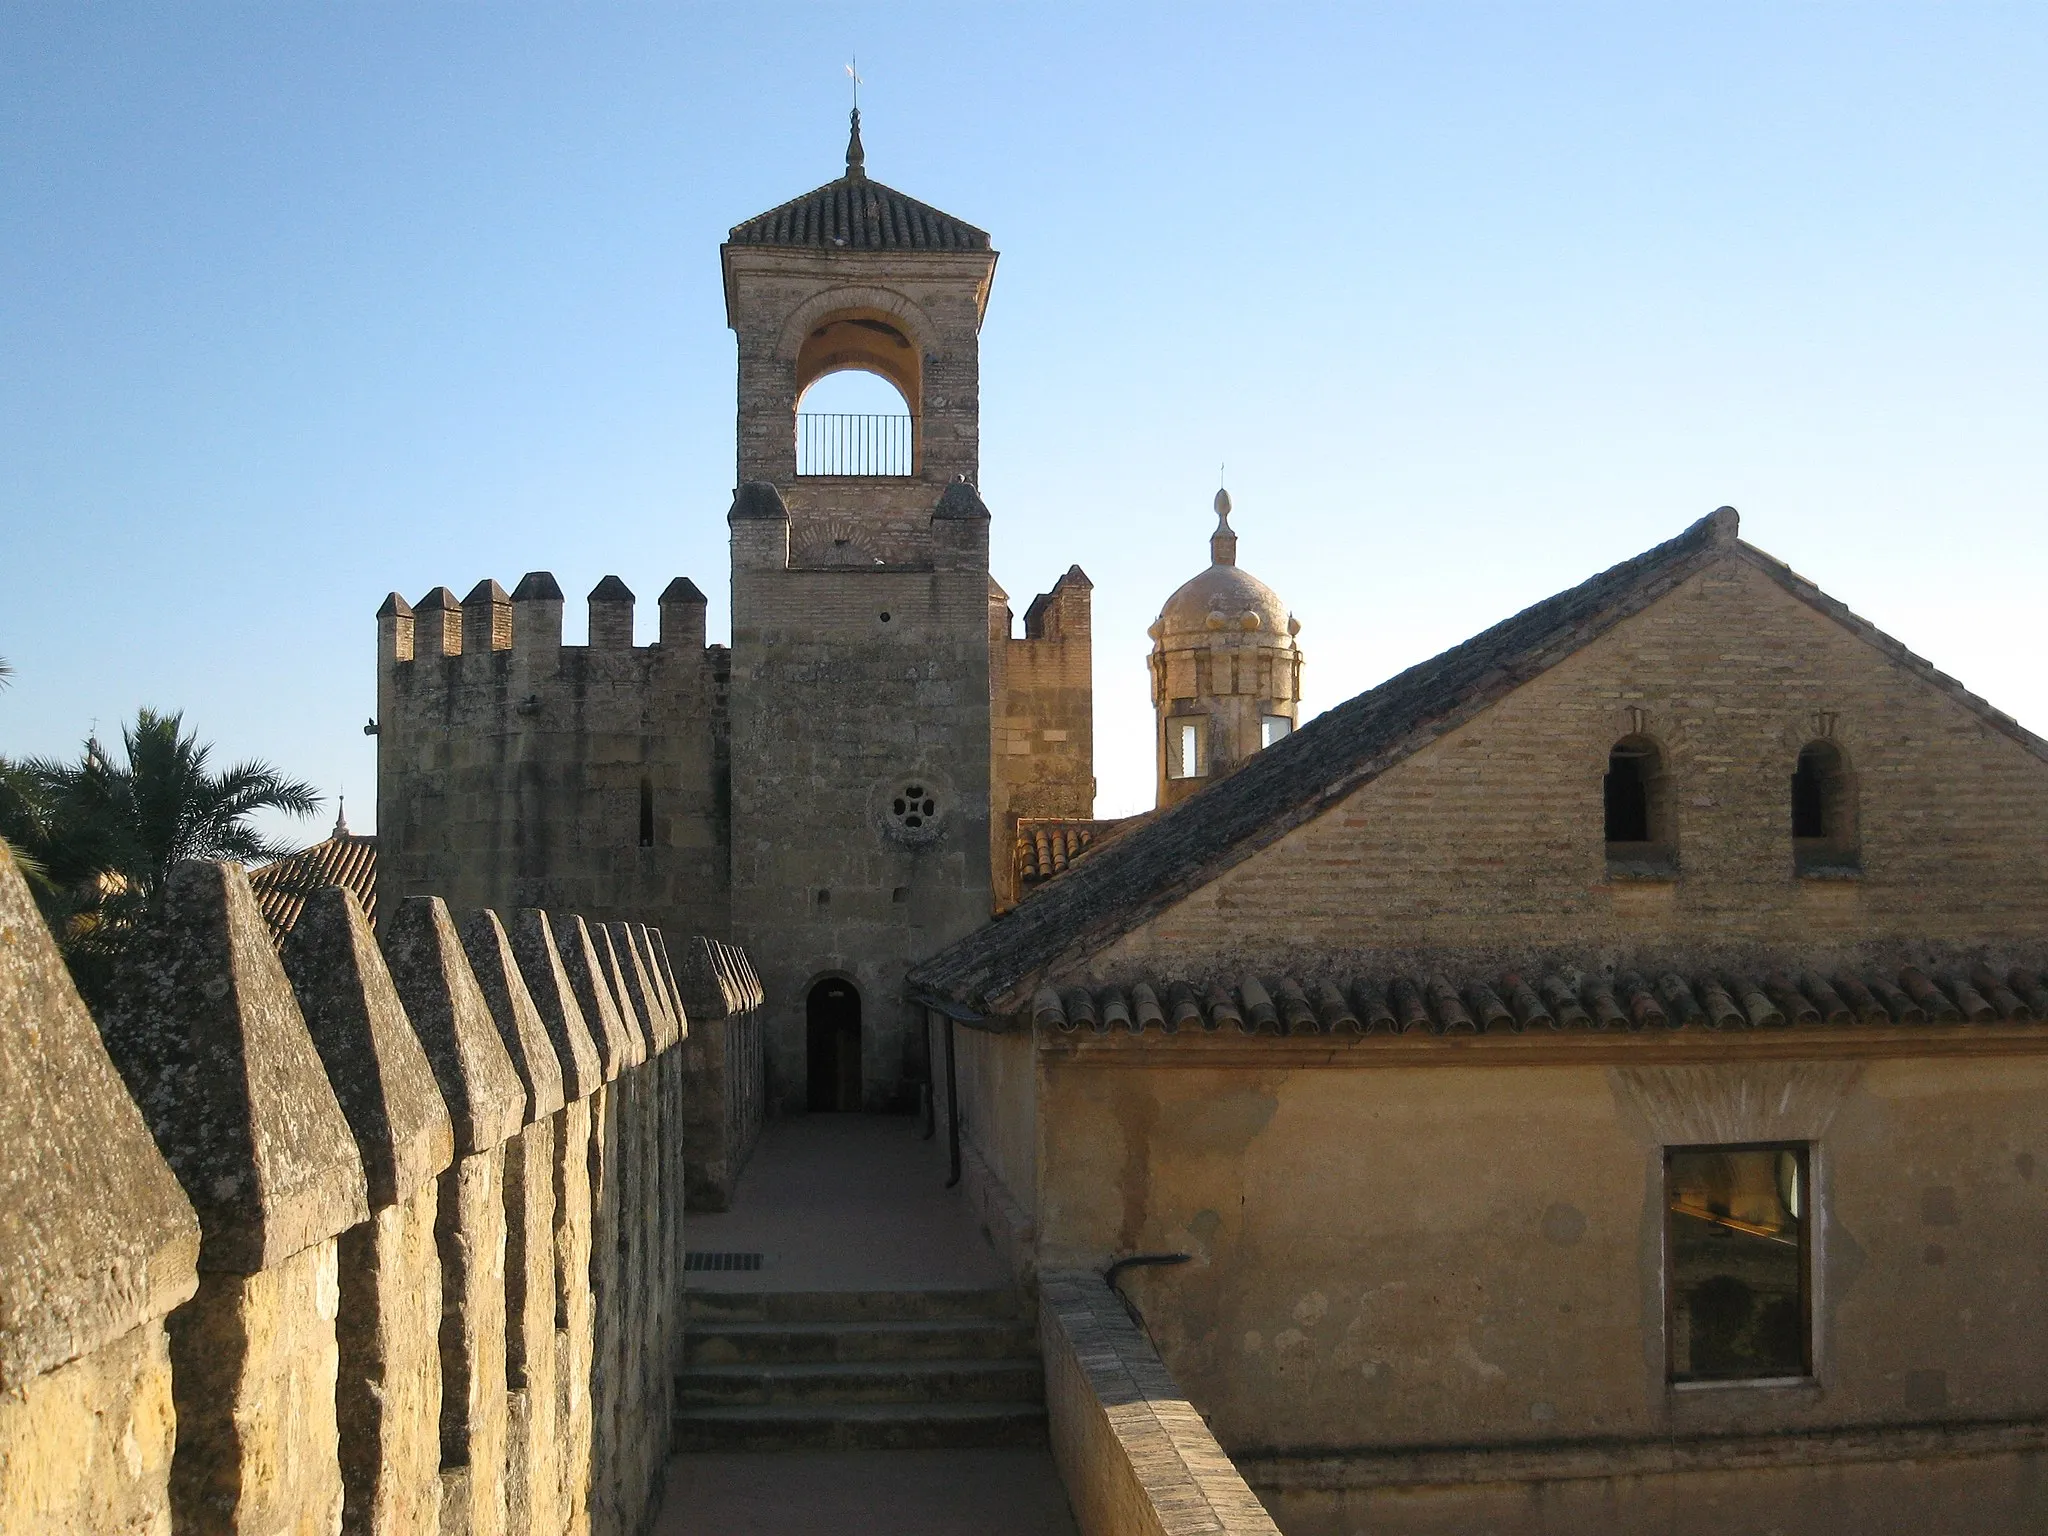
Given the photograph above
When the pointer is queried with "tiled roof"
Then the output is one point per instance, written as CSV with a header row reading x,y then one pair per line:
x,y
1046,845
1105,896
1367,1004
856,214
282,886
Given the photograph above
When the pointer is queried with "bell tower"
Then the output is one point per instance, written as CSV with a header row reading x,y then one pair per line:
x,y
855,275
860,706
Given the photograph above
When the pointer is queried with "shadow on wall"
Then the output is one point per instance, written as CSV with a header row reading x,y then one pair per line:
x,y
434,1104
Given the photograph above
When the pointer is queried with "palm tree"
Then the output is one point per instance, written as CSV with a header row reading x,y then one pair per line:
x,y
106,836
25,822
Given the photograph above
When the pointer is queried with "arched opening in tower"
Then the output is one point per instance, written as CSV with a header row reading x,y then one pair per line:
x,y
859,378
832,1046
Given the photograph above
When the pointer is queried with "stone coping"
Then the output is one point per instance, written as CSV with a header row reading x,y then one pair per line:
x,y
1137,1459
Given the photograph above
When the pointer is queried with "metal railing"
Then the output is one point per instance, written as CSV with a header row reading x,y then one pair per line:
x,y
841,443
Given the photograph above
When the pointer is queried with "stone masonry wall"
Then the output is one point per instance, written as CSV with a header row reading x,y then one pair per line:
x,y
97,1245
385,1317
1042,717
850,687
514,771
724,1087
861,663
776,298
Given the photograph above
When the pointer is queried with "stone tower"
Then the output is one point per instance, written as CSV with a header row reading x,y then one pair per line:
x,y
822,790
860,709
1226,672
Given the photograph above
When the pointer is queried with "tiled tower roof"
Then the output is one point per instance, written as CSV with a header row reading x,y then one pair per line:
x,y
283,885
856,214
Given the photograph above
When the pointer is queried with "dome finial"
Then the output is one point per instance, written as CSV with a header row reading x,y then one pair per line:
x,y
340,817
856,157
1223,542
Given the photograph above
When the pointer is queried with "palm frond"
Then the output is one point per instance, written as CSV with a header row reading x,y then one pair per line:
x,y
106,836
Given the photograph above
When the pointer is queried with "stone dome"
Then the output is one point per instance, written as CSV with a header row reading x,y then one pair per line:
x,y
1224,597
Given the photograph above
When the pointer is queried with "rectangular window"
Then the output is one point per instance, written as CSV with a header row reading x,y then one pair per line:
x,y
1187,748
1737,1228
1272,728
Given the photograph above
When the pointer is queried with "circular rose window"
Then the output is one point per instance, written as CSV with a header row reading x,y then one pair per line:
x,y
913,806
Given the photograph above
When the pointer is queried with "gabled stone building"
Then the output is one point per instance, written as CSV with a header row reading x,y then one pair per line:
x,y
839,789
1595,1081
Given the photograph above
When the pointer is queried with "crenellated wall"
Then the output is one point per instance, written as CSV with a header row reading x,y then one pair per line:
x,y
1042,716
515,771
724,1079
360,1239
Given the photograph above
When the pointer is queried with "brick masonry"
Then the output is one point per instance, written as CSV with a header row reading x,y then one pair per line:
x,y
1488,844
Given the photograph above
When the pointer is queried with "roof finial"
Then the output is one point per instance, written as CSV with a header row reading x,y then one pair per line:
x,y
856,157
340,817
1223,542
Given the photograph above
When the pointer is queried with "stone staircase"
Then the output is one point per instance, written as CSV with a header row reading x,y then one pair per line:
x,y
858,1370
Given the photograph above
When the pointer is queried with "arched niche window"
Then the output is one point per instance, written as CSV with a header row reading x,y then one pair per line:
x,y
1636,798
859,378
1823,811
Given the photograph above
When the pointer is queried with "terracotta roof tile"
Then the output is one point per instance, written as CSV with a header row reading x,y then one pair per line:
x,y
1369,1003
854,213
282,886
1046,845
1183,848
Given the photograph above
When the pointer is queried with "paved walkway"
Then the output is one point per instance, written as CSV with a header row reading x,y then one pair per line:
x,y
856,1202
848,1203
852,1493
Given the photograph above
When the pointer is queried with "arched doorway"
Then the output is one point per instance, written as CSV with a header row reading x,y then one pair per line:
x,y
832,1045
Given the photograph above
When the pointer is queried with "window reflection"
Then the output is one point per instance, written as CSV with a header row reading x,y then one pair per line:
x,y
1736,1221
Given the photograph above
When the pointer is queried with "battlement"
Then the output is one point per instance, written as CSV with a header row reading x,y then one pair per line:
x,y
529,621
1042,724
1064,613
514,770
189,1341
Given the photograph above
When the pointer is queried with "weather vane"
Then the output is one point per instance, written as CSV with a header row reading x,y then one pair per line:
x,y
853,74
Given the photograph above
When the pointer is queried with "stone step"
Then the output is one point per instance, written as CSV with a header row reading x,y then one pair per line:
x,y
741,1343
949,1381
860,1427
713,1306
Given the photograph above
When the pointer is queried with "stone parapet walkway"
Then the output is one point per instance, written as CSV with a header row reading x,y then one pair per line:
x,y
869,1268
847,1203
846,1493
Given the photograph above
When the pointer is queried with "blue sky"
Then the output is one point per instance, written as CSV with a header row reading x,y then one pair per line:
x,y
302,303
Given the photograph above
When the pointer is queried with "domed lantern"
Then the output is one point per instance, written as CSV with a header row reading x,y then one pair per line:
x,y
1226,671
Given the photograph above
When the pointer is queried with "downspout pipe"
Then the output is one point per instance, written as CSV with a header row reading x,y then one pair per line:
x,y
954,1014
952,1108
